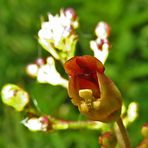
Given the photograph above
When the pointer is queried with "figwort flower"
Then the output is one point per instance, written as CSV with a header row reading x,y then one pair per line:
x,y
94,93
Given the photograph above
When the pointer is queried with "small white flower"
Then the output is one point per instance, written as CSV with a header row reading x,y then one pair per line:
x,y
100,54
48,74
132,111
33,124
100,46
32,70
102,30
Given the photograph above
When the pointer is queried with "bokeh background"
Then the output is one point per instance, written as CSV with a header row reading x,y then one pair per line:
x,y
127,65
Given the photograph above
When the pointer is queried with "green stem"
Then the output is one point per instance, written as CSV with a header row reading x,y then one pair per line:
x,y
74,125
48,123
122,135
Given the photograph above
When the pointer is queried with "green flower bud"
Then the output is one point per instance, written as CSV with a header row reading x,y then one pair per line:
x,y
14,96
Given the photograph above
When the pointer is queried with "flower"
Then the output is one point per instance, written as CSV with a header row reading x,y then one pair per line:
x,y
45,71
102,30
100,46
94,93
57,35
41,123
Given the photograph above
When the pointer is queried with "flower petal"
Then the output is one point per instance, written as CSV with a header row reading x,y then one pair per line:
x,y
83,65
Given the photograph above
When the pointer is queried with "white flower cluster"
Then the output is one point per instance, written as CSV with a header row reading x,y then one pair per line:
x,y
100,46
46,73
57,35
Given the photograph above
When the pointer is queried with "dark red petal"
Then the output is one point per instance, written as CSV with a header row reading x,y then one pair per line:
x,y
73,90
81,65
71,67
90,64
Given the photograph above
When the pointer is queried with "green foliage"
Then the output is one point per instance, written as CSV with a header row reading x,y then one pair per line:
x,y
126,65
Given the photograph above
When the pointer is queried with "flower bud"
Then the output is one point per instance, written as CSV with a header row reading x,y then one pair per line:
x,y
94,93
14,96
38,123
102,30
144,130
40,61
70,13
143,144
107,140
32,70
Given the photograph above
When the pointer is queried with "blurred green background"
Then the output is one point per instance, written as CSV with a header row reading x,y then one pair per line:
x,y
127,65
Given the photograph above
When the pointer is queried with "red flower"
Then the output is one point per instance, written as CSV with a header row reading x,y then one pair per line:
x,y
95,94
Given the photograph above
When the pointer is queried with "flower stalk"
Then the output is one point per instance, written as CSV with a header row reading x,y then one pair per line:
x,y
122,135
76,125
48,123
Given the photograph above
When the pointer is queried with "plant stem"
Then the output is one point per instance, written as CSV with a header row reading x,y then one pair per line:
x,y
74,125
122,135
48,123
